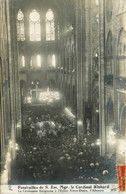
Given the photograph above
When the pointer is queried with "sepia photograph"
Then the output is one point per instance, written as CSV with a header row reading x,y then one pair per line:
x,y
63,96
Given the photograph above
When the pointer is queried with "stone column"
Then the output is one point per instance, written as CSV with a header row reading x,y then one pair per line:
x,y
101,77
12,76
115,67
16,70
87,62
79,66
87,51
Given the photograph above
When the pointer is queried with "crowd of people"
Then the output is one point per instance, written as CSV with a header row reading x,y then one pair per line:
x,y
45,123
49,152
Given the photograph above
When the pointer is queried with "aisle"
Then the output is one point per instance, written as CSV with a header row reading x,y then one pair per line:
x,y
56,156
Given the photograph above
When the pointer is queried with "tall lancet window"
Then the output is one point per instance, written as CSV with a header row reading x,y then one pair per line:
x,y
38,61
50,26
51,61
23,61
34,26
20,26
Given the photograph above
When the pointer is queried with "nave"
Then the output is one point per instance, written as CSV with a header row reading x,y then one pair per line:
x,y
48,152
69,54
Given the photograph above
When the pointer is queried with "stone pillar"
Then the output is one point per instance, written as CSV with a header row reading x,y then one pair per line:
x,y
115,67
12,76
101,77
87,62
16,70
79,66
87,52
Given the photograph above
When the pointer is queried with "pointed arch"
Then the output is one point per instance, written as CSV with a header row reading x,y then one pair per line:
x,y
122,43
109,44
34,26
109,66
50,25
20,26
121,52
123,118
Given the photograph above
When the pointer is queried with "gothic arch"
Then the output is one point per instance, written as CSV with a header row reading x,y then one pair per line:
x,y
109,44
20,26
121,42
123,118
121,59
50,25
109,59
34,26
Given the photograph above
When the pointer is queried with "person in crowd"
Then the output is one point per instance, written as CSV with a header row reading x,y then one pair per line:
x,y
54,154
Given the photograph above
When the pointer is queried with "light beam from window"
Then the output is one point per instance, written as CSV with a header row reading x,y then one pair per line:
x,y
23,61
38,61
53,60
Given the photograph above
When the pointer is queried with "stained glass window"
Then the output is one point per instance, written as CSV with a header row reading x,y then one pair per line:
x,y
50,25
53,60
34,28
22,61
20,26
38,61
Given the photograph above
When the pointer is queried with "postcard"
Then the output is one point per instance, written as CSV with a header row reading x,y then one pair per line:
x,y
63,96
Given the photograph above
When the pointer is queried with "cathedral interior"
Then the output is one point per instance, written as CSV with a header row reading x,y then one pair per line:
x,y
63,90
